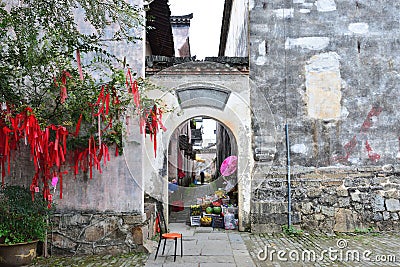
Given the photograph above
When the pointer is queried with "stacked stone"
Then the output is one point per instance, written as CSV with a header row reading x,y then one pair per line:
x,y
329,200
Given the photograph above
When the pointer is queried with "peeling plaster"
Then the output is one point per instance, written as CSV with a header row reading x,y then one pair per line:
x,y
284,13
304,11
308,5
324,62
251,4
344,113
360,28
354,160
311,43
261,48
325,5
299,148
323,84
261,60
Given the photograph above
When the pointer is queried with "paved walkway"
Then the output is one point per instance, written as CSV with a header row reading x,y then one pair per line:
x,y
379,249
124,260
204,246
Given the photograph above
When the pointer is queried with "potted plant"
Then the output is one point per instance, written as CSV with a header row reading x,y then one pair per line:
x,y
22,224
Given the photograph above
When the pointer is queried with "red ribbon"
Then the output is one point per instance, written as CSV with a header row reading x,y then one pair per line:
x,y
78,126
63,88
154,122
133,88
48,147
78,60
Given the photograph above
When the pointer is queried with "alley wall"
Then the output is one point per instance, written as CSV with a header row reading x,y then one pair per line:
x,y
330,71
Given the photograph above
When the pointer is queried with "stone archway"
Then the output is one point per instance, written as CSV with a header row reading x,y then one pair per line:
x,y
204,89
192,161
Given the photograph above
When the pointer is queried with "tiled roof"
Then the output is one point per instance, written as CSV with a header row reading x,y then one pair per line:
x,y
189,65
182,20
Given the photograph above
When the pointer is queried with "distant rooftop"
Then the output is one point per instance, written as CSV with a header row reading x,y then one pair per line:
x,y
155,64
181,20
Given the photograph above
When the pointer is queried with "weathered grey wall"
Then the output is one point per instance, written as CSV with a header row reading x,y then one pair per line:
x,y
330,69
99,214
118,188
333,75
132,52
237,41
181,40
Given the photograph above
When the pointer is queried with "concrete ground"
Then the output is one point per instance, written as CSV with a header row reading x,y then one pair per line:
x,y
204,246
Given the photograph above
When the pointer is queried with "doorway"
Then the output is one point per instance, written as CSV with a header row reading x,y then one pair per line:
x,y
208,90
196,151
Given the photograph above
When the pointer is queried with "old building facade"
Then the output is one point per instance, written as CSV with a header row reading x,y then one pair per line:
x,y
308,90
330,71
320,73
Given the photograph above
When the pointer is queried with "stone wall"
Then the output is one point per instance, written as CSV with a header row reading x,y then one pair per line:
x,y
329,200
330,70
91,232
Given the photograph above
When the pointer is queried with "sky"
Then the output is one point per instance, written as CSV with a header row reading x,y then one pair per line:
x,y
205,27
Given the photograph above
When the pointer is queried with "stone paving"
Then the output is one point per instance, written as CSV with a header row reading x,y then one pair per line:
x,y
372,249
204,246
125,260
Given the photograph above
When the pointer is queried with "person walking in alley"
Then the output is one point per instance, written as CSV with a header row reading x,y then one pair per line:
x,y
202,177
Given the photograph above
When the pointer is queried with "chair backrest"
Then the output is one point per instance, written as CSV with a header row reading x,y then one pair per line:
x,y
162,225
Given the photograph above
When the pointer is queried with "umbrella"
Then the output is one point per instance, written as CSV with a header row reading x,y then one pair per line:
x,y
228,166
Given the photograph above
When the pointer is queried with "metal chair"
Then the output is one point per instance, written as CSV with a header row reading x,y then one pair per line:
x,y
165,235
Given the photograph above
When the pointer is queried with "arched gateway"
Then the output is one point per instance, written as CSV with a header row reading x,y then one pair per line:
x,y
203,89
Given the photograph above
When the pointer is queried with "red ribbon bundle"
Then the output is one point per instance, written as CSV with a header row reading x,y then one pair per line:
x,y
152,119
133,88
91,157
153,123
78,61
46,154
63,87
48,147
